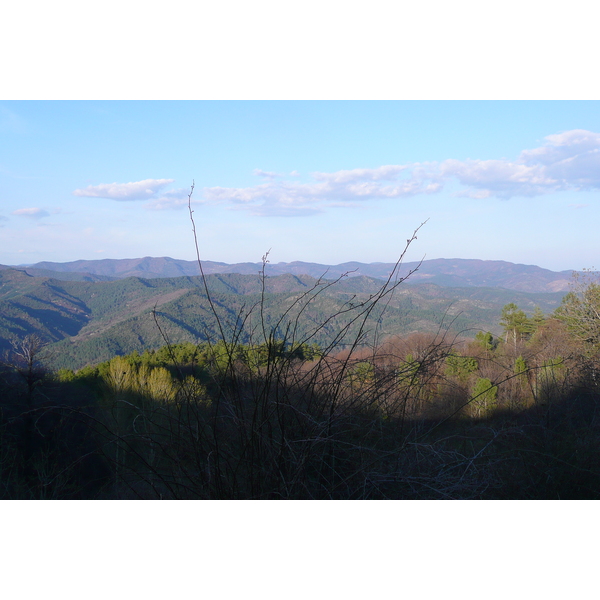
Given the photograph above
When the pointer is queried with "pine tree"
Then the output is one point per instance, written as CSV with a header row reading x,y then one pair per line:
x,y
515,323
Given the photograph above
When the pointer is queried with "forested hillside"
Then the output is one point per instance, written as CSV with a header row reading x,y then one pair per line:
x,y
87,322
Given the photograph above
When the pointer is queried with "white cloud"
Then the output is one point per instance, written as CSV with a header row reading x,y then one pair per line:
x,y
31,213
266,174
292,198
173,199
387,172
498,177
237,195
563,146
567,161
136,190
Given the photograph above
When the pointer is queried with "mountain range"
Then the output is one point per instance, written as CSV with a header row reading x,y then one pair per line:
x,y
443,272
93,310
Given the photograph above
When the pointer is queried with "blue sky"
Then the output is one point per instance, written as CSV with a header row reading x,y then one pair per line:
x,y
320,181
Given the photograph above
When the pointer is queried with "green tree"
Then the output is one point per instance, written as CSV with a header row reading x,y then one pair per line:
x,y
520,366
515,323
538,318
522,373
486,340
362,373
484,396
580,310
460,367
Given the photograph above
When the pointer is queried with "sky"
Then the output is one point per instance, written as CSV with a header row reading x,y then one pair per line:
x,y
317,181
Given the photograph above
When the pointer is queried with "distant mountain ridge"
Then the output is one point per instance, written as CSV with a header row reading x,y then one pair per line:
x,y
442,271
